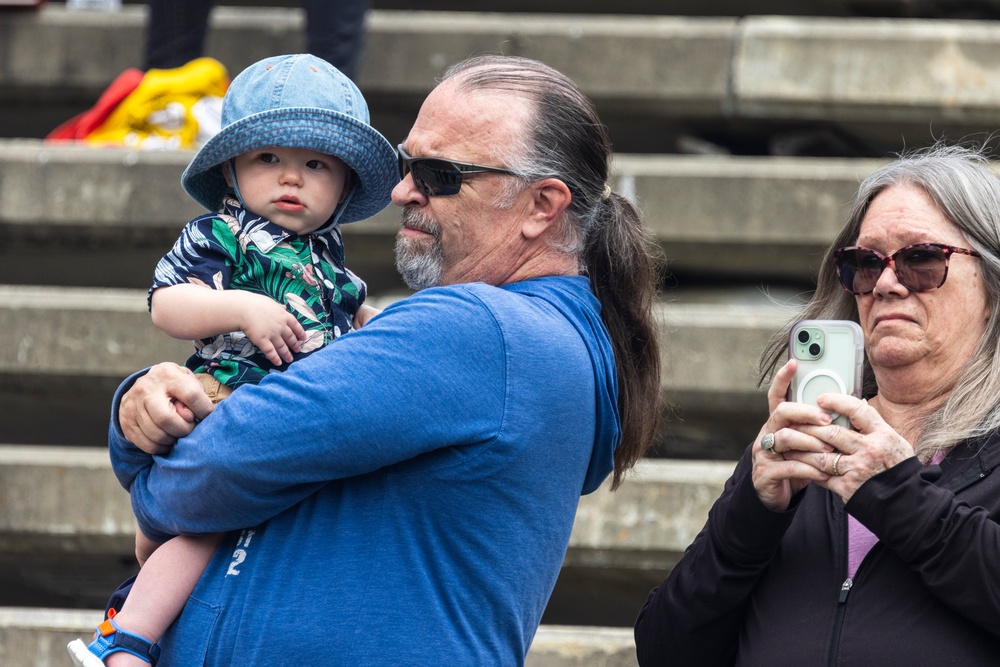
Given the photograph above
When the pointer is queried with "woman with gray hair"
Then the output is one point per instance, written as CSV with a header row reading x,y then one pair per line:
x,y
878,543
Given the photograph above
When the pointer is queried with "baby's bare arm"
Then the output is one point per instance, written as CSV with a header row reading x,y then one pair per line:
x,y
193,311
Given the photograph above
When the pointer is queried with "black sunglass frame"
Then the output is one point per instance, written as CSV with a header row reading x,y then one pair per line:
x,y
890,260
411,165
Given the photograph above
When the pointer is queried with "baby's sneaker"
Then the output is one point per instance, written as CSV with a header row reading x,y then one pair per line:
x,y
82,657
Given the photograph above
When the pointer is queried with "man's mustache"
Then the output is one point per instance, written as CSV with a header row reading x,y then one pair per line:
x,y
420,222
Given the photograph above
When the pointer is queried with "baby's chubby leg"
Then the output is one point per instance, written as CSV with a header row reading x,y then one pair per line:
x,y
164,584
161,589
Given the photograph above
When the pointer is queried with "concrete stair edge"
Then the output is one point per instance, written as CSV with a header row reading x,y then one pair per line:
x,y
107,333
647,523
758,66
38,636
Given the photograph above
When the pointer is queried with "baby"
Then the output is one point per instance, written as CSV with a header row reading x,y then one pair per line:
x,y
260,281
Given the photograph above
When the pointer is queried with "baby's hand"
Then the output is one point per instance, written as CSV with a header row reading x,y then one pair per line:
x,y
271,327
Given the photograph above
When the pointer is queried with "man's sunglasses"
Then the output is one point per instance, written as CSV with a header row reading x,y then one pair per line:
x,y
437,177
919,268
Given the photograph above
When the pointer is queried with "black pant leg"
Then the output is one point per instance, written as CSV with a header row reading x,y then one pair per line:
x,y
335,32
175,32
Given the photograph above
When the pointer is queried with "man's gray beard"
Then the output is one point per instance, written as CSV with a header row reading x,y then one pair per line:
x,y
417,261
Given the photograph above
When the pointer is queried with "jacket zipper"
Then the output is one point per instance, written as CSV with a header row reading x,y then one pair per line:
x,y
845,590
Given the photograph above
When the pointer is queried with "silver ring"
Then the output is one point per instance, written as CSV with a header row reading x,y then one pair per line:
x,y
836,462
767,442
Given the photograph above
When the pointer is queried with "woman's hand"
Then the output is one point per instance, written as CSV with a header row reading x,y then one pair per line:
x,y
162,406
856,455
777,475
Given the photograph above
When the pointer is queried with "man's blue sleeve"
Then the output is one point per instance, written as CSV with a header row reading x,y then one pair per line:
x,y
409,384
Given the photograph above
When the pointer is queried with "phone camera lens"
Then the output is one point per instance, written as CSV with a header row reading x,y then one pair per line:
x,y
803,336
814,349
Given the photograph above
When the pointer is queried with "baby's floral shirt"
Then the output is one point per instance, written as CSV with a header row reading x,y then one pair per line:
x,y
236,249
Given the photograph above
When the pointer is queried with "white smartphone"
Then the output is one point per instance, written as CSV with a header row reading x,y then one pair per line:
x,y
830,355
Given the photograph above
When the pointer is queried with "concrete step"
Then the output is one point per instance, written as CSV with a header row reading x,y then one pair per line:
x,y
76,215
87,50
66,537
68,349
969,9
646,524
882,83
966,9
37,637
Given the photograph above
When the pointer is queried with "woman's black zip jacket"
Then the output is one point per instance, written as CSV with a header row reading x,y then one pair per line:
x,y
766,588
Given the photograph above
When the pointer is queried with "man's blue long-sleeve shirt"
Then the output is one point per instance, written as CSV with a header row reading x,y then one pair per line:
x,y
403,496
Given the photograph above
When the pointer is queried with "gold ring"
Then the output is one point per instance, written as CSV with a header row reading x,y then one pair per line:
x,y
836,461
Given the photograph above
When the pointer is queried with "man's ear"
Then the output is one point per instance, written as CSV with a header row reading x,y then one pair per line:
x,y
550,197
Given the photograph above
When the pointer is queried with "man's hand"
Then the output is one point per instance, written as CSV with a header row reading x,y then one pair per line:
x,y
162,406
365,313
144,547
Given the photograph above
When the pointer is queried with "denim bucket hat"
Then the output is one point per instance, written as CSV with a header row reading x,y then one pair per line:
x,y
297,101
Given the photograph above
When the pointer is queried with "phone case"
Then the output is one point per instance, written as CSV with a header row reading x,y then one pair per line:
x,y
831,358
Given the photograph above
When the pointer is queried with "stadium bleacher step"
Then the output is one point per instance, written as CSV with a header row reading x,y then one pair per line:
x,y
857,85
75,345
73,541
84,216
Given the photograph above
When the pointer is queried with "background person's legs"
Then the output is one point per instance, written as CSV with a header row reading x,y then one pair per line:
x,y
175,32
335,32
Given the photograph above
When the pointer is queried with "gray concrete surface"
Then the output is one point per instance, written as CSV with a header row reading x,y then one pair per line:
x,y
64,500
80,332
746,216
646,524
35,637
70,347
891,81
737,216
647,8
64,53
567,646
407,51
673,63
66,534
709,351
871,69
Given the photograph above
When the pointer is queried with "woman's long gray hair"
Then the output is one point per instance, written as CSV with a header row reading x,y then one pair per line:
x,y
963,185
566,140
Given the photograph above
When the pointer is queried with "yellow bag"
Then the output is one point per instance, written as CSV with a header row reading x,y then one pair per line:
x,y
170,108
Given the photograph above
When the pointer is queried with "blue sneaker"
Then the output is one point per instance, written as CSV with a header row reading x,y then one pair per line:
x,y
110,639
